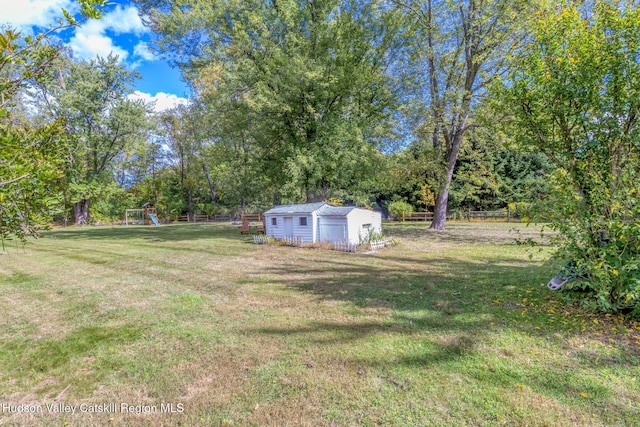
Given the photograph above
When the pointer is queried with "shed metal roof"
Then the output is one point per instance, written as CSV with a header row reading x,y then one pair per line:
x,y
322,209
330,210
296,209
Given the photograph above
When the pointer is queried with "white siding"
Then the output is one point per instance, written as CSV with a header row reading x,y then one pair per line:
x,y
332,229
358,218
314,227
273,230
278,231
325,228
304,231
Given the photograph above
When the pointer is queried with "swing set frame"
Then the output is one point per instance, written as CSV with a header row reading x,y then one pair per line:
x,y
138,216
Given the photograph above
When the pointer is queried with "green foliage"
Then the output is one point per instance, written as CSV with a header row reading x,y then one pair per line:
x,y
101,123
186,137
461,46
399,209
162,190
574,96
24,57
30,170
296,92
31,162
491,173
91,8
491,176
111,201
409,175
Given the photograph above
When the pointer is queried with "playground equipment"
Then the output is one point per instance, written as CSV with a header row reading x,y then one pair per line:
x,y
154,218
145,216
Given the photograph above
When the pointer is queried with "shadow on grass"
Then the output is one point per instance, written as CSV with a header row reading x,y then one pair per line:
x,y
405,283
446,312
474,233
168,232
444,296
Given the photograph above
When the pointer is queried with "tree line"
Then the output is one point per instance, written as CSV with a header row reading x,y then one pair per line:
x,y
441,105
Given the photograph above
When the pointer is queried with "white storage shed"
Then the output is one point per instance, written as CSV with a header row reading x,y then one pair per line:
x,y
322,222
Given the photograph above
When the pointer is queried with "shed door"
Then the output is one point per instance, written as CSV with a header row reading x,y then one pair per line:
x,y
333,232
288,226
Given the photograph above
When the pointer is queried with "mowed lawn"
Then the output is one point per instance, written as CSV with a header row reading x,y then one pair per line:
x,y
196,325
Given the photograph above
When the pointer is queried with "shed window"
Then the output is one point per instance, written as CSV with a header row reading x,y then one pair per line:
x,y
303,220
366,226
274,221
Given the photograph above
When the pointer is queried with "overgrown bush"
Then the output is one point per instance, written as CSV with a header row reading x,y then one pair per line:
x,y
599,230
399,209
573,95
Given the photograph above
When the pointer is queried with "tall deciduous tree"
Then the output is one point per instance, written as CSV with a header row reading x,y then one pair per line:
x,y
574,94
464,46
233,157
310,77
90,96
185,141
30,161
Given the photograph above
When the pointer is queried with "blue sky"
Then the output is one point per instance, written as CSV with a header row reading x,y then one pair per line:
x,y
120,31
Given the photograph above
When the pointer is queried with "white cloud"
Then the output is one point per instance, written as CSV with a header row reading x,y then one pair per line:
x,y
142,50
162,101
95,37
123,20
24,14
91,39
87,46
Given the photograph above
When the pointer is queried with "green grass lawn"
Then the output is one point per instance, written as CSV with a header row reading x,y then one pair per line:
x,y
446,328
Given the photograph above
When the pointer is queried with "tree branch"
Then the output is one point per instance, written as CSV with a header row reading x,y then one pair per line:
x,y
2,184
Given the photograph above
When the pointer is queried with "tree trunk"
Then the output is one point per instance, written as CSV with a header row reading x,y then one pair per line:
x,y
212,193
440,211
190,209
81,211
442,198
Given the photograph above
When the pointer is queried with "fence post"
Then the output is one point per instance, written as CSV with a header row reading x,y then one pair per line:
x,y
469,215
508,213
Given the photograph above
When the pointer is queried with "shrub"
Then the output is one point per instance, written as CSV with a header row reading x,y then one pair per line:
x,y
399,208
573,95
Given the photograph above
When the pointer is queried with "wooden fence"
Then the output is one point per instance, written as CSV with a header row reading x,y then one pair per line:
x,y
500,214
379,244
292,241
196,218
417,216
252,217
261,239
